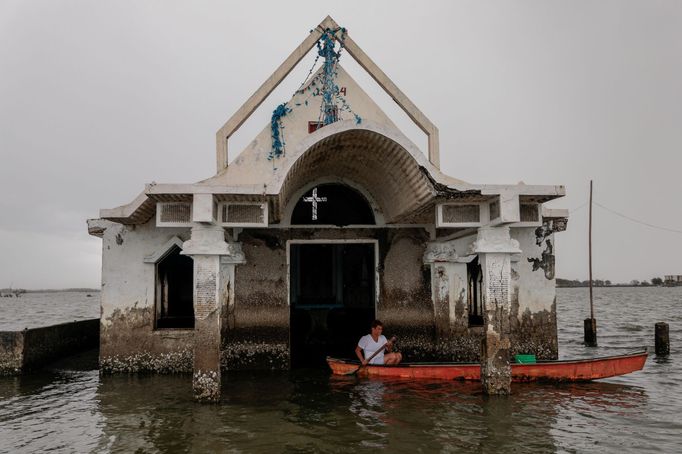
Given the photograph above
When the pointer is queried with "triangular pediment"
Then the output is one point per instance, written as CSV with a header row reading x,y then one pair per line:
x,y
245,111
252,164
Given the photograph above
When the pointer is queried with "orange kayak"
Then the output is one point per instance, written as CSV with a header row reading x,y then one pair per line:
x,y
556,370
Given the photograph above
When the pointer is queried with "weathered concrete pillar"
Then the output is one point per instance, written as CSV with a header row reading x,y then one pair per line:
x,y
211,287
494,247
448,287
440,286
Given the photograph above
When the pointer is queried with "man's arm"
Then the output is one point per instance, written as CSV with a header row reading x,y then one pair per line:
x,y
358,353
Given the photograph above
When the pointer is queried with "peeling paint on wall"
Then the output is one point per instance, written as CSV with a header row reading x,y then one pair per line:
x,y
546,260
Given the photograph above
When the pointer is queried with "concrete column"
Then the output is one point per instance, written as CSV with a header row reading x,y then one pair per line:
x,y
448,287
440,285
211,288
494,247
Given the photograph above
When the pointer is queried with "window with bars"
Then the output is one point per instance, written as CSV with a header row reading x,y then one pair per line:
x,y
173,214
461,214
529,212
243,214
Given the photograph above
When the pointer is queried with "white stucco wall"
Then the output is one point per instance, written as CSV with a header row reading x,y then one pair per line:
x,y
535,291
127,281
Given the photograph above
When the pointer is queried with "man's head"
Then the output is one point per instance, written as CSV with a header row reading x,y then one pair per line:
x,y
377,328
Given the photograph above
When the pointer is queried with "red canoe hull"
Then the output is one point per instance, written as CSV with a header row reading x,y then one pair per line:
x,y
572,370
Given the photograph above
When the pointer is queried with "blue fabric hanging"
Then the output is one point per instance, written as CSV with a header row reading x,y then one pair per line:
x,y
329,90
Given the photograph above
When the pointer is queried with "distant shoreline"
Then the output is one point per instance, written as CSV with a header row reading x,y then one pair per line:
x,y
50,290
613,285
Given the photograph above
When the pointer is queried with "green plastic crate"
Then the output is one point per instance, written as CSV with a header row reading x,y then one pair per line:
x,y
524,359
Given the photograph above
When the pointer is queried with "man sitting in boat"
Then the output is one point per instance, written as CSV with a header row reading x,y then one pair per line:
x,y
371,347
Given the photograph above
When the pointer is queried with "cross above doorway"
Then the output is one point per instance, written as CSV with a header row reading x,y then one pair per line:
x,y
314,200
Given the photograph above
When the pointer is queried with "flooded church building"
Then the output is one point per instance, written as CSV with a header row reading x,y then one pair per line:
x,y
331,217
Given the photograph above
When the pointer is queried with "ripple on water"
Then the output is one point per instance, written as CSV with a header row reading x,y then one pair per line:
x,y
70,408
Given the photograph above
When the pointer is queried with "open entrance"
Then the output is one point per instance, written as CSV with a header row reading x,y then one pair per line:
x,y
332,292
174,291
475,293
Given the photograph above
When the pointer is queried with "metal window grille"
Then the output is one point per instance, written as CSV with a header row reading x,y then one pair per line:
x,y
529,212
461,213
175,212
243,214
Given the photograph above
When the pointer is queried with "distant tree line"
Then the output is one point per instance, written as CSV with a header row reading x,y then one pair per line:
x,y
12,292
656,281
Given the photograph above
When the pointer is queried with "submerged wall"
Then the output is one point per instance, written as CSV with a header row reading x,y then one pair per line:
x,y
256,334
23,351
405,305
533,300
425,305
128,340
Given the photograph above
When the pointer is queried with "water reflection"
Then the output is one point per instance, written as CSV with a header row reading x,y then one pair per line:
x,y
367,404
311,411
70,408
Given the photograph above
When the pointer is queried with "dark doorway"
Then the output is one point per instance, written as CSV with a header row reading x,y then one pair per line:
x,y
475,294
332,299
174,291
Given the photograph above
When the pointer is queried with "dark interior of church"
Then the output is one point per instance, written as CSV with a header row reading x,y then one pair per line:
x,y
174,283
332,299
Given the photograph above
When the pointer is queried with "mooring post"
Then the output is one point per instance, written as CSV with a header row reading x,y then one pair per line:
x,y
590,324
211,287
495,247
662,339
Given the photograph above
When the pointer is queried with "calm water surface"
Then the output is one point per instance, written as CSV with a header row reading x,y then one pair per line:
x,y
69,408
32,310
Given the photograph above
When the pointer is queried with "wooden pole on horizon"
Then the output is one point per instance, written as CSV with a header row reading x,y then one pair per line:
x,y
590,253
590,324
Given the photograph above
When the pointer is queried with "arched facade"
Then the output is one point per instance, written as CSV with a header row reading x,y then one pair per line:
x,y
381,166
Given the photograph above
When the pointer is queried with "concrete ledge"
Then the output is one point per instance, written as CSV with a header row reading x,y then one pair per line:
x,y
30,349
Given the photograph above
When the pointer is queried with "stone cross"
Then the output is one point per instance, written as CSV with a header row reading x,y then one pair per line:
x,y
314,199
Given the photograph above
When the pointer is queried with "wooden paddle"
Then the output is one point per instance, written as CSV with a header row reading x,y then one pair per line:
x,y
381,349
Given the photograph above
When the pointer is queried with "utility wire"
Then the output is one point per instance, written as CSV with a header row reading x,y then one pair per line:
x,y
637,220
578,208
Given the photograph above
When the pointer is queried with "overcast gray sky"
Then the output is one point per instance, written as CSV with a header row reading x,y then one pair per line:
x,y
99,98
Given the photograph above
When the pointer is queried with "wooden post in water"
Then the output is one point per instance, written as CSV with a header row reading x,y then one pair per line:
x,y
590,324
662,339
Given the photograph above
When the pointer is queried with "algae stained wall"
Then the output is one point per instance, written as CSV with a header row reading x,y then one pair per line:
x,y
533,298
256,326
257,334
128,340
256,322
